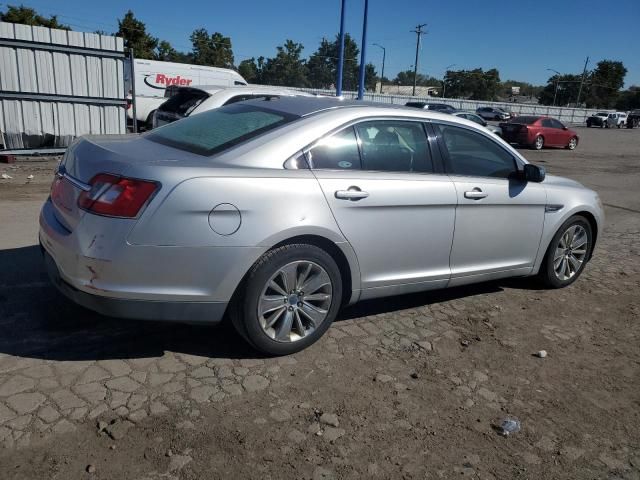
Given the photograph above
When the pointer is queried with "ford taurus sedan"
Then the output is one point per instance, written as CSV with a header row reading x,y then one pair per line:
x,y
276,213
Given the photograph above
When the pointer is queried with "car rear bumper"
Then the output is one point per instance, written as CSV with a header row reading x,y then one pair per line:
x,y
96,267
188,312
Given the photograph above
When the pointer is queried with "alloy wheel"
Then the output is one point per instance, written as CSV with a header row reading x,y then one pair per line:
x,y
573,143
295,301
539,143
570,253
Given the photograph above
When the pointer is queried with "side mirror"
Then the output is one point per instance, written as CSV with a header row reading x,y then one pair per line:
x,y
534,173
565,128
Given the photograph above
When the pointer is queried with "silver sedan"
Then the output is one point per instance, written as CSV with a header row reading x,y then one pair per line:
x,y
275,213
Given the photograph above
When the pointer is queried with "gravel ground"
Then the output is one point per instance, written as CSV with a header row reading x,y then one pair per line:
x,y
403,387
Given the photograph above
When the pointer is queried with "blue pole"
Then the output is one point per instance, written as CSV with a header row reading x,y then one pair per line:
x,y
363,52
340,52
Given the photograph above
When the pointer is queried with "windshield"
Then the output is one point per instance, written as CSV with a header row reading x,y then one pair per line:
x,y
216,130
524,120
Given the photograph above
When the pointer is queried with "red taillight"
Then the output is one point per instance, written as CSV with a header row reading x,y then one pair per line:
x,y
116,196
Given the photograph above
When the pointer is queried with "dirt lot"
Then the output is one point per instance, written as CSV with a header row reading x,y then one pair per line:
x,y
404,387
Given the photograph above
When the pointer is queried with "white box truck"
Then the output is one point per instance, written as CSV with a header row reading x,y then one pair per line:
x,y
152,79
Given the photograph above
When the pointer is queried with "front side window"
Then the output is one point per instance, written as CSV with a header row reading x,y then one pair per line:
x,y
556,124
394,146
473,154
336,152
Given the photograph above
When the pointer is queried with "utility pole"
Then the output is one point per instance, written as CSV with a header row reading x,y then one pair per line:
x,y
584,73
340,52
363,52
419,32
384,55
555,95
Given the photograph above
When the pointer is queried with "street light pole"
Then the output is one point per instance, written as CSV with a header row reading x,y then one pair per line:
x,y
363,53
384,54
444,84
555,95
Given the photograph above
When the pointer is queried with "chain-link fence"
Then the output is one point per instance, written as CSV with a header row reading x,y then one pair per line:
x,y
568,115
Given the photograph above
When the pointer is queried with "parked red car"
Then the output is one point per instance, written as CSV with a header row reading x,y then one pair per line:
x,y
539,132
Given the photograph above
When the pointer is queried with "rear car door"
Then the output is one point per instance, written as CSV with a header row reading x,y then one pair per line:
x,y
499,218
391,202
550,134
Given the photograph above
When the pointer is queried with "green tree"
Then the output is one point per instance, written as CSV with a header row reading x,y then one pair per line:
x,y
474,84
406,78
370,77
322,65
568,86
28,16
135,36
604,84
629,99
166,53
214,50
251,69
286,68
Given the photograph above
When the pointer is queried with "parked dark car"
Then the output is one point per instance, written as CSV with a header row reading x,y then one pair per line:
x,y
538,132
598,120
633,119
494,113
438,107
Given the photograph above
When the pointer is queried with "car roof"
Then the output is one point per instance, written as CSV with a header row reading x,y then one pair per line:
x,y
304,106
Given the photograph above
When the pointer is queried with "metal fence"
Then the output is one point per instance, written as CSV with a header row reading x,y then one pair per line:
x,y
565,114
56,85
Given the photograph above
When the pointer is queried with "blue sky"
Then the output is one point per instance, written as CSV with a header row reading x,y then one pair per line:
x,y
521,38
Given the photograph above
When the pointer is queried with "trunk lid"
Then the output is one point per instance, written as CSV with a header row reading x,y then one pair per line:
x,y
92,155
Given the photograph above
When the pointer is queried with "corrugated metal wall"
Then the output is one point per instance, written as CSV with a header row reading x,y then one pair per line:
x,y
56,85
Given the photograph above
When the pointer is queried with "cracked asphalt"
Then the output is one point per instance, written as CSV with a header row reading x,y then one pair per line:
x,y
404,387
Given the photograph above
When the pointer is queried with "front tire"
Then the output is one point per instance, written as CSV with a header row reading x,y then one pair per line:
x,y
288,300
573,143
568,253
538,143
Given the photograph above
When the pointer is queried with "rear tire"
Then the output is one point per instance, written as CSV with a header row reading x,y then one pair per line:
x,y
566,255
276,328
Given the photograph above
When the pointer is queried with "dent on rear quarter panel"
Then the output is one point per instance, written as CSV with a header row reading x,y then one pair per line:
x,y
268,207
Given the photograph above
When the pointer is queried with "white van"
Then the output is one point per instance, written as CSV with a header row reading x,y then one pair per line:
x,y
152,79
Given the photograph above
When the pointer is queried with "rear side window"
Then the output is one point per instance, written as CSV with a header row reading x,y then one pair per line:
x,y
472,154
394,146
184,102
524,120
216,130
336,152
547,123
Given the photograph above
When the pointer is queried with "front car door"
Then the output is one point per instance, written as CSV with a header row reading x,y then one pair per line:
x,y
391,202
499,218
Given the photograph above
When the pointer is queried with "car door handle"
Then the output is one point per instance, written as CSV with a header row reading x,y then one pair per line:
x,y
352,193
475,194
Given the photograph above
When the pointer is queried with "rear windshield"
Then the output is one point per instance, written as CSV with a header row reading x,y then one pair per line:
x,y
216,130
524,120
184,101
